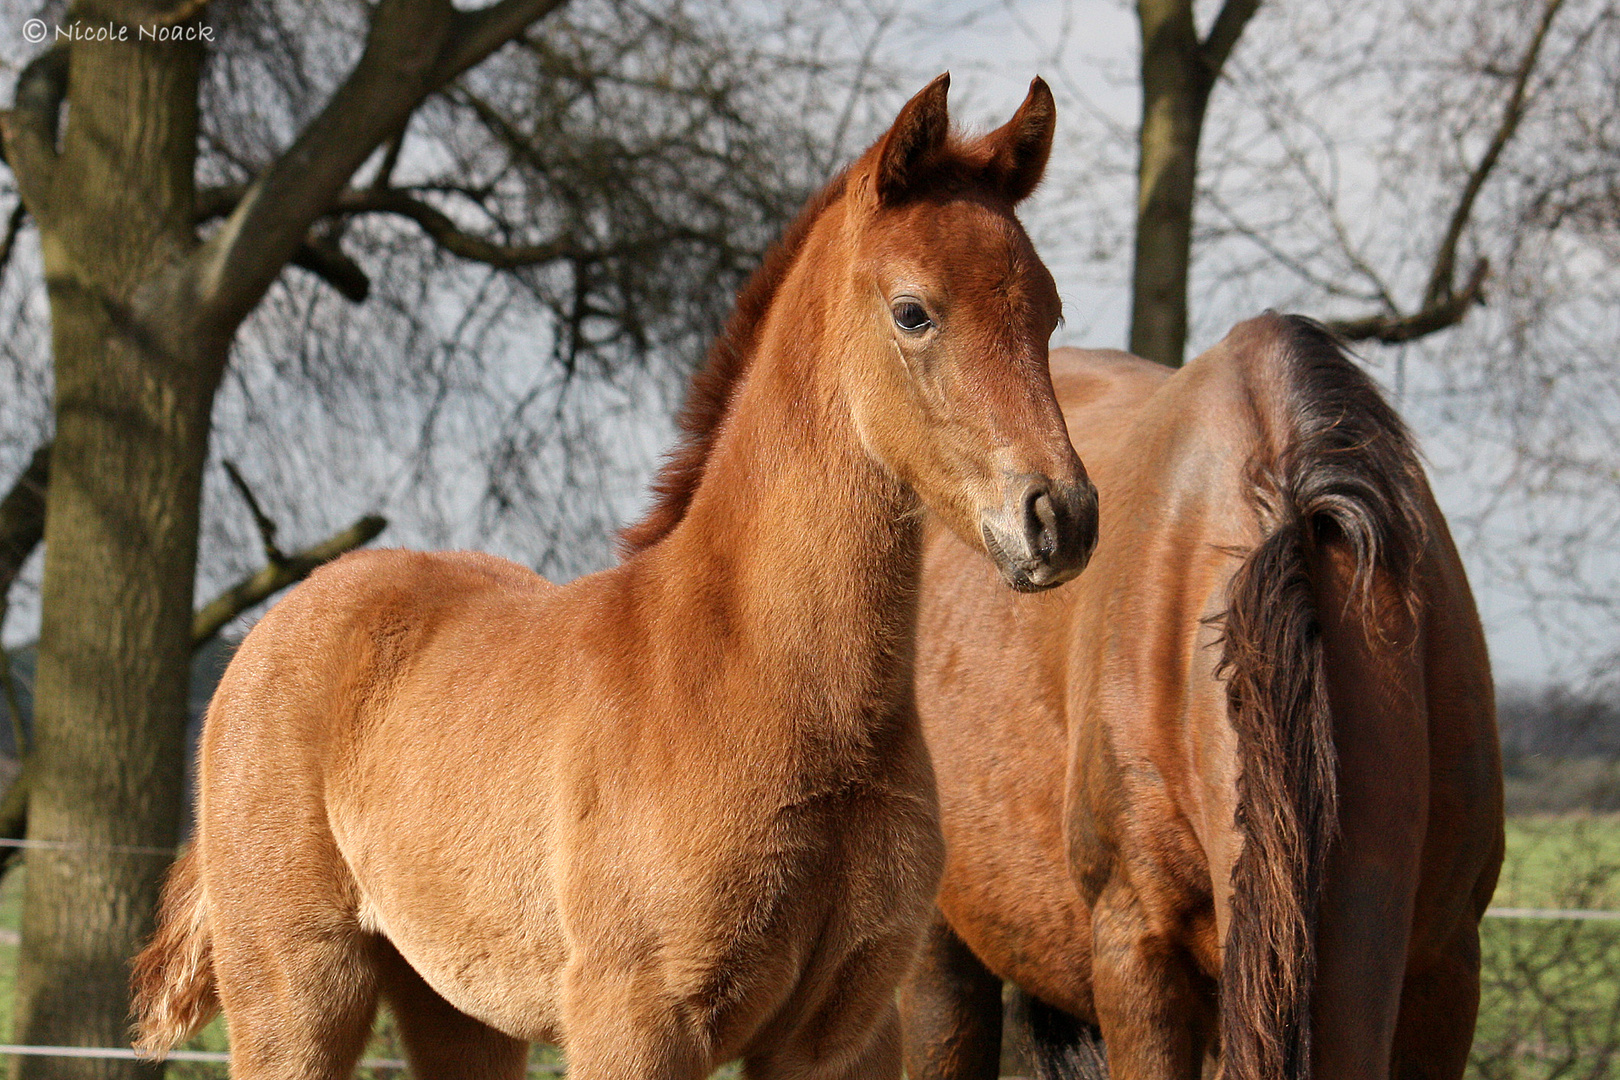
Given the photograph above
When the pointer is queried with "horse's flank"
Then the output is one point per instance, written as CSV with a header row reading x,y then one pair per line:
x,y
1237,787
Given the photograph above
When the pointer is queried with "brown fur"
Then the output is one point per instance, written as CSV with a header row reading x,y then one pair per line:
x,y
679,811
938,162
1343,471
709,395
1235,794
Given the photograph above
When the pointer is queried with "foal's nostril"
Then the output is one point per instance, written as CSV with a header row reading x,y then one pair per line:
x,y
1040,522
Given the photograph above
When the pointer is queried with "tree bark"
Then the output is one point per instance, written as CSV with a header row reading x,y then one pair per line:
x,y
142,319
22,527
134,388
1178,73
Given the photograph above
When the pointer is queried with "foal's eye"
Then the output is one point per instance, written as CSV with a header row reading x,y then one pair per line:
x,y
911,317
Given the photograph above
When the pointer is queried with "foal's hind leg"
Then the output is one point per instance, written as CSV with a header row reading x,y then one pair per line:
x,y
442,1042
298,1006
950,1010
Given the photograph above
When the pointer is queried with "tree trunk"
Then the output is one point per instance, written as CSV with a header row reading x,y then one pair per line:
x,y
1178,74
1176,83
134,389
142,318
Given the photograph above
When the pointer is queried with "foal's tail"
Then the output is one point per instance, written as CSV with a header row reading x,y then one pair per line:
x,y
174,975
1336,466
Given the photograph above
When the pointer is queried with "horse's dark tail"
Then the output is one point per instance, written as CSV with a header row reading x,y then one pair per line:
x,y
1064,1047
1336,466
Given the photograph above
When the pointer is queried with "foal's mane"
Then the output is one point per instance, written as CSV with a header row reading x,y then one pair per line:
x,y
709,396
957,164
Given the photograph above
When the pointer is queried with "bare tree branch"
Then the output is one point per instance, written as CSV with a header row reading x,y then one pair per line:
x,y
218,612
22,518
181,12
451,237
1224,34
414,48
1443,305
14,226
28,130
22,527
320,255
448,235
1437,315
266,527
1441,281
323,258
217,202
479,33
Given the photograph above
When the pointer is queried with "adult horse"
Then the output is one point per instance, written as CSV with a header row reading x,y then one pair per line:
x,y
679,811
1236,793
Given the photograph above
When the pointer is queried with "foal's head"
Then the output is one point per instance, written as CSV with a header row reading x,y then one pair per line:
x,y
950,314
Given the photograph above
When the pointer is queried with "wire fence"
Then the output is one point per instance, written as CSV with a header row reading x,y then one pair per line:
x,y
1535,969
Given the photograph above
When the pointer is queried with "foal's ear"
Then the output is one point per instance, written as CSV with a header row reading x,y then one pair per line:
x,y
1019,148
917,135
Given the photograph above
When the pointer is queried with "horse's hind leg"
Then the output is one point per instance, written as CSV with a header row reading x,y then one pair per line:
x,y
950,1010
442,1042
298,1006
1439,1005
1065,1047
1154,1013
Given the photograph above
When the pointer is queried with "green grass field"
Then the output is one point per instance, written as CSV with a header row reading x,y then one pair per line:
x,y
1551,988
1550,993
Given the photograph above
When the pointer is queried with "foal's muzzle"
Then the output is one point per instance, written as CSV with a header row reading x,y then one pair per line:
x,y
1044,532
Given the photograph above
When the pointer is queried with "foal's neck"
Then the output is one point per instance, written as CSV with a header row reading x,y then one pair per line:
x,y
807,550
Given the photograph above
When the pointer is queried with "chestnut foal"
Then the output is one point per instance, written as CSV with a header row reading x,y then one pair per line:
x,y
679,811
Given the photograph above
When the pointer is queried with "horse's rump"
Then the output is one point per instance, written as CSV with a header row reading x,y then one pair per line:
x,y
1335,469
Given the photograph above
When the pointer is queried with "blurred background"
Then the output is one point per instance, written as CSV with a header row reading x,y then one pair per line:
x,y
435,275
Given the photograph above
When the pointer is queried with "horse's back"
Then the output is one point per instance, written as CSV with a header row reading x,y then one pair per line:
x,y
334,645
1010,685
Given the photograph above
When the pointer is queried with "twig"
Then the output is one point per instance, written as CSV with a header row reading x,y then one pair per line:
x,y
14,226
267,528
1445,259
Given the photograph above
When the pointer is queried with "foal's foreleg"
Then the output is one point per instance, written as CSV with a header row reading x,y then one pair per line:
x,y
825,1055
619,1024
950,1011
